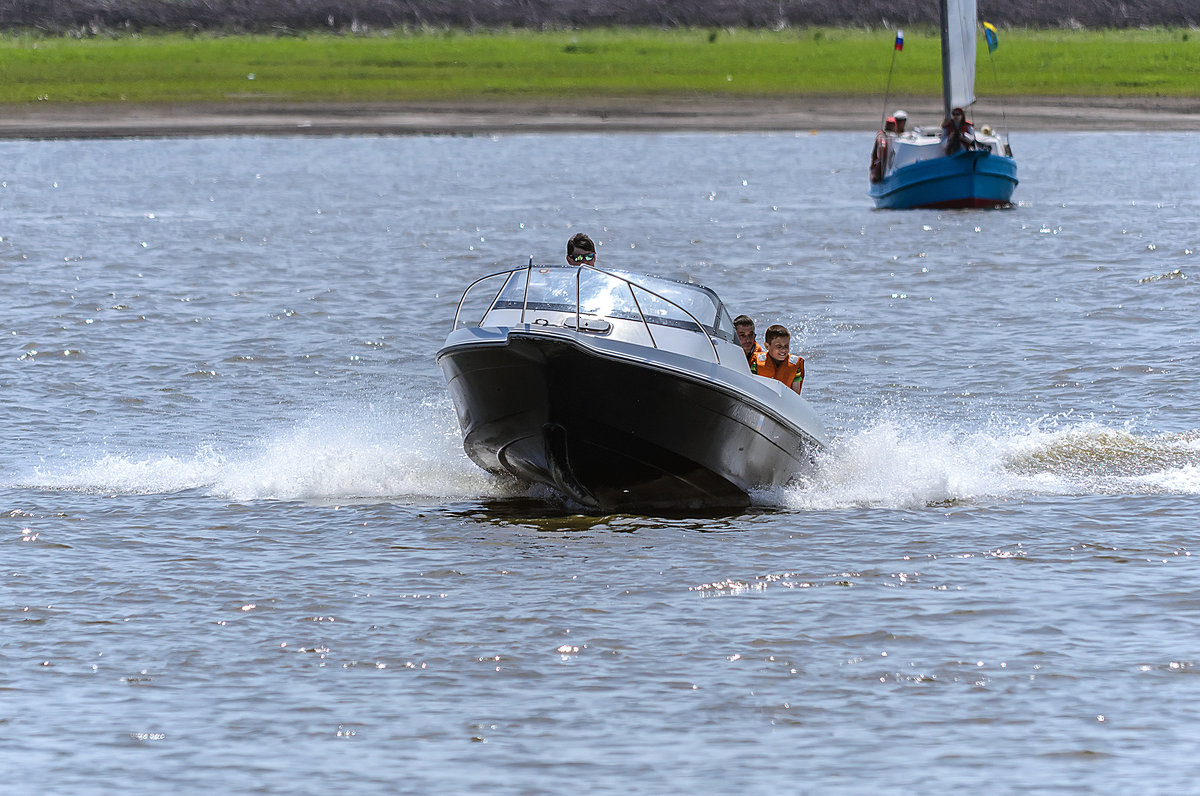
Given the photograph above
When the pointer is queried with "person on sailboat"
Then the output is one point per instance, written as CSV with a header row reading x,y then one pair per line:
x,y
957,132
901,119
880,150
581,250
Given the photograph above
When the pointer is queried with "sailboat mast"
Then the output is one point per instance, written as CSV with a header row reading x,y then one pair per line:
x,y
946,81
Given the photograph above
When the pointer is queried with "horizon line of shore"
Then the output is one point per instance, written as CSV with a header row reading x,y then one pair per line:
x,y
1024,114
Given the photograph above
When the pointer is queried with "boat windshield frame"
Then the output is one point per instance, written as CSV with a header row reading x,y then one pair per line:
x,y
514,293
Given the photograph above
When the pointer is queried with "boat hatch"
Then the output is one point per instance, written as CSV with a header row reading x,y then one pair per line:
x,y
593,325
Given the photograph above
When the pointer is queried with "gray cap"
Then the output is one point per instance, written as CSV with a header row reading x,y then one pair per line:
x,y
900,115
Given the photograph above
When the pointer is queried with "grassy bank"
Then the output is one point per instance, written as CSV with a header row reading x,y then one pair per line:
x,y
454,66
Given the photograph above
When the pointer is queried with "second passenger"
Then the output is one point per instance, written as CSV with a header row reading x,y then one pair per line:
x,y
777,362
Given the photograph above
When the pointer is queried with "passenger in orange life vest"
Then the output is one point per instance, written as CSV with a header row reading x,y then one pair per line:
x,y
744,326
777,363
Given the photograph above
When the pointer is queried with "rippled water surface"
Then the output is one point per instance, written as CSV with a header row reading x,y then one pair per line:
x,y
243,551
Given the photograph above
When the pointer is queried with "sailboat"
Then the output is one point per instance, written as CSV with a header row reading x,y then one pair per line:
x,y
913,169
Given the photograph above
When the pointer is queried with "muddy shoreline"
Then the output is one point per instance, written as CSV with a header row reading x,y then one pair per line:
x,y
799,114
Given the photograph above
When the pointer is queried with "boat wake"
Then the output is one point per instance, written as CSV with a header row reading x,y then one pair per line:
x,y
359,452
352,452
899,464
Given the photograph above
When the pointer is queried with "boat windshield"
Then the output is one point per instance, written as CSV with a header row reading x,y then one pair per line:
x,y
617,294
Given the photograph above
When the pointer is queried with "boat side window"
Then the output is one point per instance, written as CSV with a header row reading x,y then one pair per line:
x,y
600,294
702,303
553,288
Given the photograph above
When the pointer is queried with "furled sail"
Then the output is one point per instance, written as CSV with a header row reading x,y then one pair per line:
x,y
958,53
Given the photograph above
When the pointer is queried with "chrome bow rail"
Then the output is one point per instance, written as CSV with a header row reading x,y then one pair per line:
x,y
633,288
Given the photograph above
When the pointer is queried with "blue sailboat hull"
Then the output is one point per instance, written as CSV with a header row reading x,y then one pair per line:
x,y
970,178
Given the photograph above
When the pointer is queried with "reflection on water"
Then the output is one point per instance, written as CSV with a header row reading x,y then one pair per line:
x,y
543,511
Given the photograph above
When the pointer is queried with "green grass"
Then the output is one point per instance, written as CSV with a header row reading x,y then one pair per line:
x,y
587,64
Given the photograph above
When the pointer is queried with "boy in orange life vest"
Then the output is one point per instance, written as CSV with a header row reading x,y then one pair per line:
x,y
776,363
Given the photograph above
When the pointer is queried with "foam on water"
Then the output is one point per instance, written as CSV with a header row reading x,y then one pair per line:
x,y
355,456
894,463
353,451
359,451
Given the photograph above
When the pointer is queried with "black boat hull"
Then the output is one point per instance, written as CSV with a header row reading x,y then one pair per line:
x,y
613,433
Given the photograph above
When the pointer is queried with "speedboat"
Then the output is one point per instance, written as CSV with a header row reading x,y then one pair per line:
x,y
620,391
912,170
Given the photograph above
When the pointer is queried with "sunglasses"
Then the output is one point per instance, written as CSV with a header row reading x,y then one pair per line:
x,y
580,258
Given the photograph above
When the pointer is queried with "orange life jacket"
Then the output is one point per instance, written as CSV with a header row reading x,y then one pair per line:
x,y
790,372
758,349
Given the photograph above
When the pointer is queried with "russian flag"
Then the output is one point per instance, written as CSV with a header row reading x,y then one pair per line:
x,y
899,40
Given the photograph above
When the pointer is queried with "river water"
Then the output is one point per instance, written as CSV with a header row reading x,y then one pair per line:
x,y
244,552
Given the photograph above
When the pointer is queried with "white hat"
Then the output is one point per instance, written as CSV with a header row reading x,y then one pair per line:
x,y
900,115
